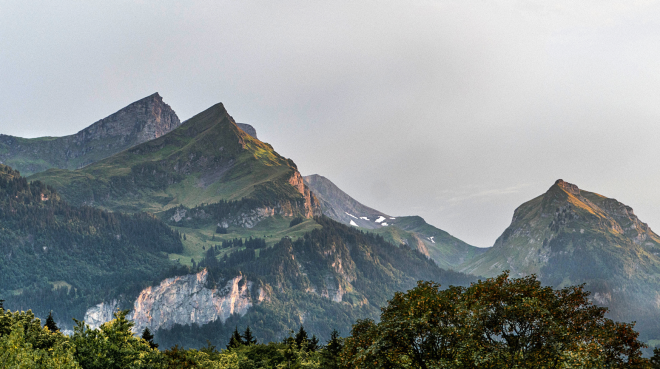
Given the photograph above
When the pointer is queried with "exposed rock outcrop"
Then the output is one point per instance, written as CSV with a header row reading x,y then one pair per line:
x,y
101,313
183,300
247,129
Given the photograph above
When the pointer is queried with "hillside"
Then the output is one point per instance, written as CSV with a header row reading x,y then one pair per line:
x,y
138,122
447,251
60,257
325,279
206,160
570,236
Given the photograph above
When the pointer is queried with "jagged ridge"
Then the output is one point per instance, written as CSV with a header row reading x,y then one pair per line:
x,y
207,159
141,121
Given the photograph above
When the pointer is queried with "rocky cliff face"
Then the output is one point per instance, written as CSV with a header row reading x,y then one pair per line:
x,y
141,121
184,300
248,129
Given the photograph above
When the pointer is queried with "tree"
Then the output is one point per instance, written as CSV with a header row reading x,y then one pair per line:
x,y
248,339
330,354
236,340
50,323
655,359
113,346
301,338
149,337
500,322
313,344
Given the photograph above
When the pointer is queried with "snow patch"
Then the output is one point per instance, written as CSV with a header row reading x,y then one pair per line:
x,y
431,239
384,224
392,218
380,219
365,218
351,215
353,223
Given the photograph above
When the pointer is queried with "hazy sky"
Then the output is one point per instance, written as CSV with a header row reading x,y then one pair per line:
x,y
458,111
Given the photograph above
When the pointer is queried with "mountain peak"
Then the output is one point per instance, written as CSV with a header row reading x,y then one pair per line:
x,y
138,122
568,187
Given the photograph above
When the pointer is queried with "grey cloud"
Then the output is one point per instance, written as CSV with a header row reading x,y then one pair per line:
x,y
398,102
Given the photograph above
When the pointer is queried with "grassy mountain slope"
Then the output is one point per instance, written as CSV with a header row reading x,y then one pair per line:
x,y
138,122
60,257
206,160
447,251
569,236
325,279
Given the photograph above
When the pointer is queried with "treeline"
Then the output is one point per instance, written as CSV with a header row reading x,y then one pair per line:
x,y
65,258
501,322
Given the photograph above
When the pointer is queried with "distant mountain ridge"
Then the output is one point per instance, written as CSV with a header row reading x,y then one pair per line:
x,y
141,121
341,207
569,236
447,251
205,160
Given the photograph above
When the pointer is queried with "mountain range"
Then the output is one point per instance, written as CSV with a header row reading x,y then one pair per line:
x,y
237,236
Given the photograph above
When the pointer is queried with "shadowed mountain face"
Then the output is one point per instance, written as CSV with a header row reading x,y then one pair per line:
x,y
139,122
569,236
447,251
339,206
206,160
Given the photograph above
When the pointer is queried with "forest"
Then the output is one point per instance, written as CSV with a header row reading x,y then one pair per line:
x,y
65,258
501,322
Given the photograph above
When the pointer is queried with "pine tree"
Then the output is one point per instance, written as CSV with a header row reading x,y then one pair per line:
x,y
236,340
149,337
313,344
2,304
301,338
248,339
330,354
50,323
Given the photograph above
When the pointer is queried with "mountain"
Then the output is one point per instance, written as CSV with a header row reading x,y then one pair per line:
x,y
206,160
447,251
569,236
326,279
54,256
139,122
339,206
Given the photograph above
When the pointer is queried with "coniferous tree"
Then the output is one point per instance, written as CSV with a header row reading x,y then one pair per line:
x,y
330,354
50,323
2,304
236,340
313,344
248,339
149,337
301,338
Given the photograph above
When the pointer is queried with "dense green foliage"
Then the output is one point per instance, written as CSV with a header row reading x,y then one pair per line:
x,y
295,221
496,323
64,258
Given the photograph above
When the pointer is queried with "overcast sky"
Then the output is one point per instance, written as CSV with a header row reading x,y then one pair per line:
x,y
458,111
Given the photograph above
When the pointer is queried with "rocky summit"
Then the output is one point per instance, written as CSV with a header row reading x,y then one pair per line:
x,y
141,121
569,236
